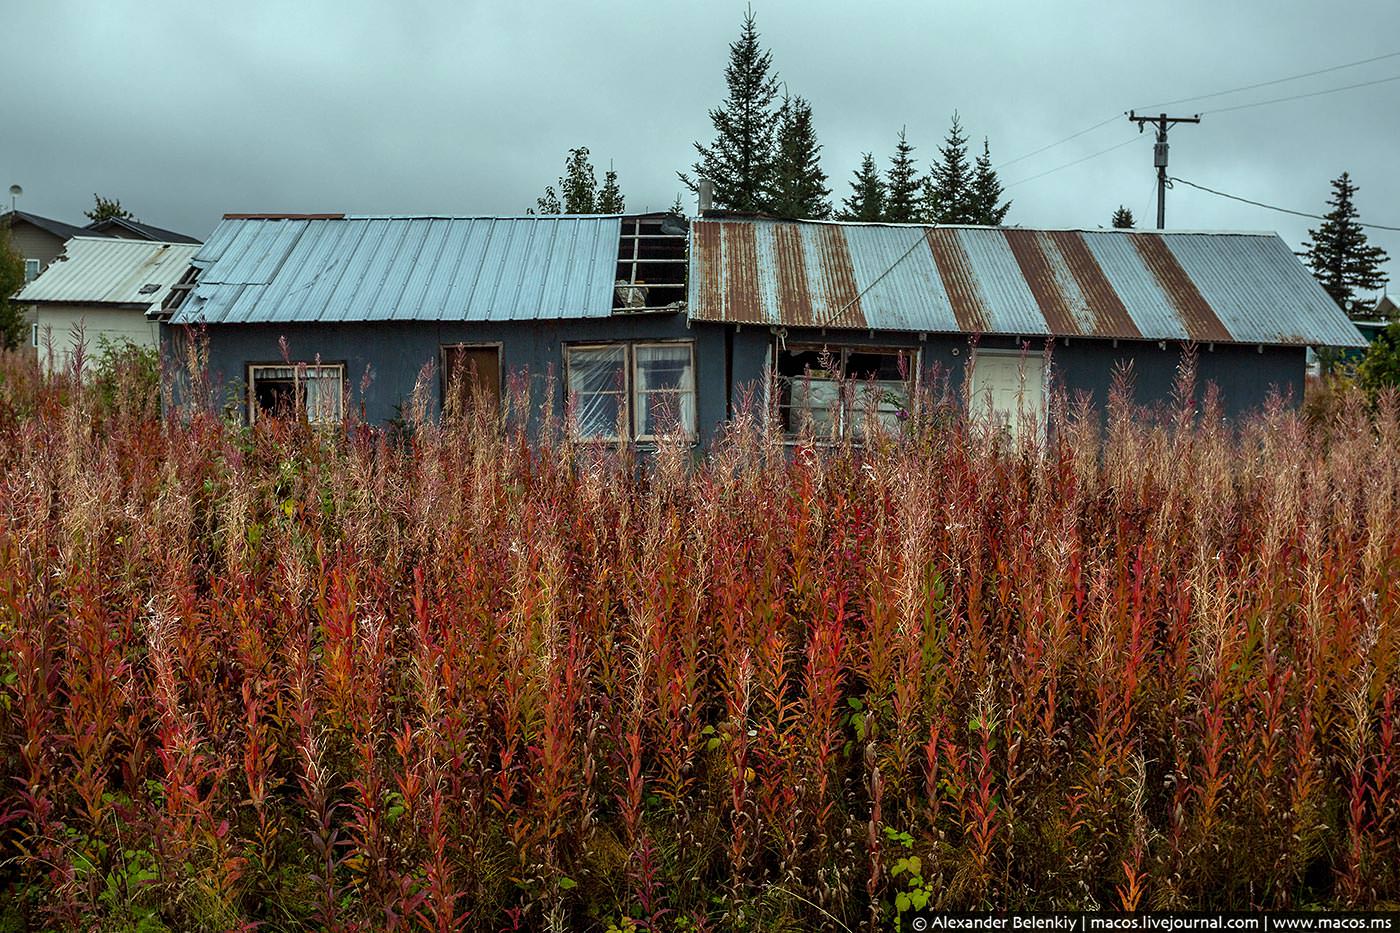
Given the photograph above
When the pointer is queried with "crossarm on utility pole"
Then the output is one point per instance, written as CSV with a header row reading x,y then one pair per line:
x,y
1159,154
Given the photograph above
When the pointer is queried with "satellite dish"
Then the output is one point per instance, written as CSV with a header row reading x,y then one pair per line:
x,y
16,191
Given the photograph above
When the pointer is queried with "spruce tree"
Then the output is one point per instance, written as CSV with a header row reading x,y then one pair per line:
x,y
947,198
799,184
610,199
1337,252
987,206
867,200
678,208
902,185
1123,219
739,163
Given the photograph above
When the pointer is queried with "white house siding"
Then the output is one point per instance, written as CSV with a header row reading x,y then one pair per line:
x,y
60,327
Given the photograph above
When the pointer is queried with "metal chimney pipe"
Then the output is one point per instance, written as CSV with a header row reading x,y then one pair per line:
x,y
707,196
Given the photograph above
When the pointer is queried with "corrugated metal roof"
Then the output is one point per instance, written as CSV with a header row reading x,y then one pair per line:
x,y
277,270
1208,287
99,269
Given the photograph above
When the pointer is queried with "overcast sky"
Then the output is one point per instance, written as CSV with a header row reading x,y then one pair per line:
x,y
186,111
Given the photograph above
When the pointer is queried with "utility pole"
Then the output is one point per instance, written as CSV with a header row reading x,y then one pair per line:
x,y
1159,155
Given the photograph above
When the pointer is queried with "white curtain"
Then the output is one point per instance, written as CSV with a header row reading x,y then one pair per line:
x,y
665,389
323,388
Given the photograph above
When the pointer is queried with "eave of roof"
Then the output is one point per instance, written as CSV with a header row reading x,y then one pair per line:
x,y
55,227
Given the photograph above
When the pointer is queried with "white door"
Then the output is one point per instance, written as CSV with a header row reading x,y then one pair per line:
x,y
1009,389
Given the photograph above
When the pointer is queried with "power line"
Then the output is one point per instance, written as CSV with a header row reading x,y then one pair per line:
x,y
1092,155
1280,100
1272,207
1112,119
1233,90
1251,87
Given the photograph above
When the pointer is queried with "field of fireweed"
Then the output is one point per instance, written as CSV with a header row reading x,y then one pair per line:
x,y
458,676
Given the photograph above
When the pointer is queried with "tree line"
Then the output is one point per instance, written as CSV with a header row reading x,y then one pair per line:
x,y
765,159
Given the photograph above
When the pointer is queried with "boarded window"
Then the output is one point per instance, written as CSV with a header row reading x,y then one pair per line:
x,y
471,378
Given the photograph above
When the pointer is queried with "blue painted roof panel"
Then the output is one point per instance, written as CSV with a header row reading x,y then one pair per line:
x,y
405,268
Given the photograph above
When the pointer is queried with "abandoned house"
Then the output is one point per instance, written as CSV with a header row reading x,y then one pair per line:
x,y
631,320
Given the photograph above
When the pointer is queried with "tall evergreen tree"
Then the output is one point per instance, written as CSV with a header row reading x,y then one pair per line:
x,y
867,200
1123,219
987,208
1337,251
799,184
610,199
902,185
947,195
739,163
678,208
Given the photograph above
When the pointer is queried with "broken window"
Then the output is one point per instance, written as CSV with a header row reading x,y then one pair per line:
x,y
831,391
631,391
314,391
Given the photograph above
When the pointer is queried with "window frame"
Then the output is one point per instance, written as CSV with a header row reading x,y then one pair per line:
x,y
38,269
633,409
845,416
250,373
629,388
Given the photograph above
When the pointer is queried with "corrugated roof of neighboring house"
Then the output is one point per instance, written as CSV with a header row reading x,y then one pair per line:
x,y
57,227
331,268
106,270
144,231
1207,287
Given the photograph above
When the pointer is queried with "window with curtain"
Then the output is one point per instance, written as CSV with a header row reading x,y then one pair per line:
x,y
314,391
631,391
663,388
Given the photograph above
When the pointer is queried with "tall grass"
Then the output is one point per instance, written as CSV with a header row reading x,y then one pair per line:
x,y
470,677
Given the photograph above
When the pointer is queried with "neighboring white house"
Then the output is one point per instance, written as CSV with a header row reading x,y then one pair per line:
x,y
100,290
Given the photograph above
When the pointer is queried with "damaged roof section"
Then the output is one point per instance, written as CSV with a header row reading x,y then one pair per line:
x,y
284,269
101,270
1206,287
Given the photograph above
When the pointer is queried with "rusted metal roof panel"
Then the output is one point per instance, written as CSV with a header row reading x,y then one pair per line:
x,y
277,269
1208,287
